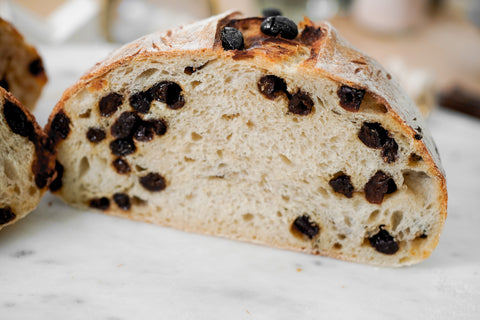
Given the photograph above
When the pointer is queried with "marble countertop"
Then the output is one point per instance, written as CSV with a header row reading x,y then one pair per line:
x,y
64,263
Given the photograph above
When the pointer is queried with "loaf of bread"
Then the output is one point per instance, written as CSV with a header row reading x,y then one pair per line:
x,y
21,67
26,165
259,130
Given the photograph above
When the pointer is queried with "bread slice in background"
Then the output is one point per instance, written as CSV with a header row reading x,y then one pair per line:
x,y
304,144
21,67
26,164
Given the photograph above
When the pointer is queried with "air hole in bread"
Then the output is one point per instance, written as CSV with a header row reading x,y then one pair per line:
x,y
32,191
247,217
341,236
10,169
196,136
348,221
337,246
142,77
417,181
285,197
395,219
195,84
85,114
285,159
373,216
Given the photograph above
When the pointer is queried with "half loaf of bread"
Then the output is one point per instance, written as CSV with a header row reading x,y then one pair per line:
x,y
301,143
26,165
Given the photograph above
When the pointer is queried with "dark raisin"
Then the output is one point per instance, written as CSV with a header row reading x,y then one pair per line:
x,y
122,200
36,67
124,126
141,101
95,135
4,84
121,165
390,150
160,126
100,203
6,215
232,39
383,242
418,136
271,12
144,132
300,103
110,103
306,226
271,86
342,184
57,183
310,34
379,185
153,182
17,120
424,235
59,128
122,147
279,25
350,98
189,70
373,135
168,92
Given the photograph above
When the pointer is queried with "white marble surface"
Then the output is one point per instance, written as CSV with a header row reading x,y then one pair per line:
x,y
63,263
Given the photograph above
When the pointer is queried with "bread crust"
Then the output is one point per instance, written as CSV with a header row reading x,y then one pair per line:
x,y
323,52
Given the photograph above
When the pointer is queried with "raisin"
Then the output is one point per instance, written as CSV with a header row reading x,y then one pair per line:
x,y
189,70
122,200
232,39
144,132
418,136
95,135
300,103
160,126
271,86
153,182
122,147
6,215
36,67
110,103
383,242
306,226
373,135
57,183
271,12
168,92
141,101
378,186
279,25
17,120
390,150
342,184
59,128
350,98
100,203
124,125
121,165
4,84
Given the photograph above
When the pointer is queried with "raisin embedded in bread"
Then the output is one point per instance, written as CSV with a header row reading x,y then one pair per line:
x,y
302,143
21,67
26,165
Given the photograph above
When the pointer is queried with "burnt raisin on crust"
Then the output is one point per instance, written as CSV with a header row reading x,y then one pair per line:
x,y
121,166
350,98
378,186
59,128
232,39
122,200
279,25
342,184
6,215
306,226
168,92
300,103
141,101
95,135
124,126
57,183
110,103
310,34
153,182
271,86
36,67
383,242
17,120
4,84
122,147
100,203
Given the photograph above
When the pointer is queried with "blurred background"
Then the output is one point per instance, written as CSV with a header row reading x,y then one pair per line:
x,y
431,46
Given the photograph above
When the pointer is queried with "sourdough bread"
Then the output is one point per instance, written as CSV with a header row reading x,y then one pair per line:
x,y
26,166
21,67
302,143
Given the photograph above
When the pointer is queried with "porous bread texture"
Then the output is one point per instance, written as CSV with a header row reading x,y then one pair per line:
x,y
16,57
18,190
242,166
